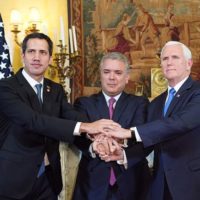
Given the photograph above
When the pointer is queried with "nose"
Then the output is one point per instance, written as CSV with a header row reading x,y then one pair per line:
x,y
169,61
111,75
36,56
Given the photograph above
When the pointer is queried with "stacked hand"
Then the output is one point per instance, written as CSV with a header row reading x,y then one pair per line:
x,y
108,148
106,136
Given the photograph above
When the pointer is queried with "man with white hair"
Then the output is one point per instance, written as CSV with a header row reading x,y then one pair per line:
x,y
173,128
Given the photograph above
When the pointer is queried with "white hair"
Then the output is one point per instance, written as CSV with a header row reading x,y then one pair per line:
x,y
186,51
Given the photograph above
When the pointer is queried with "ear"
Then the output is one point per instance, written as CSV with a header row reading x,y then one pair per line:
x,y
189,64
22,56
50,60
127,78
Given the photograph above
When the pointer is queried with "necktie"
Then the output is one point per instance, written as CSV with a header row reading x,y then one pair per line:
x,y
111,101
172,92
39,90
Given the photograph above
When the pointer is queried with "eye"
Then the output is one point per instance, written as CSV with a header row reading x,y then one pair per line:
x,y
118,72
106,71
164,58
175,57
30,51
43,52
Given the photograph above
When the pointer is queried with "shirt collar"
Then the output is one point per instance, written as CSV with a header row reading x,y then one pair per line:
x,y
178,85
30,80
108,97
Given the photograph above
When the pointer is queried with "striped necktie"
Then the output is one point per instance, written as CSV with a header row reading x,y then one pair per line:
x,y
39,91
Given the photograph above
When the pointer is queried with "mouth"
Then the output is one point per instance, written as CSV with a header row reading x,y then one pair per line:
x,y
111,85
36,65
169,70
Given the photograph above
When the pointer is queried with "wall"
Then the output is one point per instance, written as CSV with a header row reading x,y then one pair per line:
x,y
50,11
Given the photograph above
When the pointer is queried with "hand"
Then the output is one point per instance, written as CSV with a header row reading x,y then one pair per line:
x,y
118,132
99,126
100,145
115,156
106,146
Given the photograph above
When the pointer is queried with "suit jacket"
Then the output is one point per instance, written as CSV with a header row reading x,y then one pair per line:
x,y
28,131
93,173
177,139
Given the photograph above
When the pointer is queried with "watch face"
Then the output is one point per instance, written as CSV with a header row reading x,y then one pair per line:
x,y
158,82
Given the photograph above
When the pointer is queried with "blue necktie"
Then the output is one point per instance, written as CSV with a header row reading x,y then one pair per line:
x,y
172,92
39,91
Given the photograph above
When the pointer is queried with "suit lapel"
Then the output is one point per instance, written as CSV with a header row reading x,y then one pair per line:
x,y
120,107
101,106
47,97
179,94
27,93
160,106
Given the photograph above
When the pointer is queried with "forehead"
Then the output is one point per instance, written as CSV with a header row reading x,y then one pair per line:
x,y
113,64
172,50
35,43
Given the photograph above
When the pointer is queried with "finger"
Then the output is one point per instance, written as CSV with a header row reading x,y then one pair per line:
x,y
105,158
111,147
116,144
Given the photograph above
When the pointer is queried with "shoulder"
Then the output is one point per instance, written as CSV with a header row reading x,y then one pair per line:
x,y
52,84
9,82
196,85
134,98
87,99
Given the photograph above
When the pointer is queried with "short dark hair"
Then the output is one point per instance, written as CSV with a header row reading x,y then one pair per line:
x,y
41,36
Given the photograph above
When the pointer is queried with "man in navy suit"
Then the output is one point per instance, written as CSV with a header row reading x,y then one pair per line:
x,y
131,172
175,131
32,121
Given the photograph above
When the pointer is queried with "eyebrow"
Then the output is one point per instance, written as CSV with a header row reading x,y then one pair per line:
x,y
173,56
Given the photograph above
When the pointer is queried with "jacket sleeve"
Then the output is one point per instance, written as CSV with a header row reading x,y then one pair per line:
x,y
19,113
83,142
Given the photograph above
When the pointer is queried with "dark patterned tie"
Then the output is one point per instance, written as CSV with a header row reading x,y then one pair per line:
x,y
39,91
111,101
172,92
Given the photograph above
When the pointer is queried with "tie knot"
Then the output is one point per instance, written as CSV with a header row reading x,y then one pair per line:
x,y
172,91
111,101
38,87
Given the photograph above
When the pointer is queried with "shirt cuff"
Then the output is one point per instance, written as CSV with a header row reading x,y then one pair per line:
x,y
123,162
137,136
125,143
93,155
77,129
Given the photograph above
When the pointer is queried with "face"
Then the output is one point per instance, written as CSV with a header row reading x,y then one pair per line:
x,y
36,58
175,66
114,77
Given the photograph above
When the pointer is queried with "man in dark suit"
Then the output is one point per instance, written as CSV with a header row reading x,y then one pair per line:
x,y
129,164
174,129
32,120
